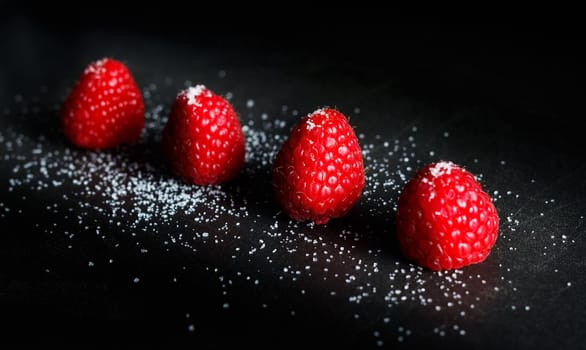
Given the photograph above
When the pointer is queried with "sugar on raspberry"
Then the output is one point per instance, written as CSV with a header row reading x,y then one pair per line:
x,y
203,139
318,173
105,107
444,218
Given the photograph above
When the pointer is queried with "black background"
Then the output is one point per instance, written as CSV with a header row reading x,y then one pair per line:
x,y
505,91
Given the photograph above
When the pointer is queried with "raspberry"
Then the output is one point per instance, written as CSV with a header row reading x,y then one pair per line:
x,y
203,140
444,218
105,108
318,173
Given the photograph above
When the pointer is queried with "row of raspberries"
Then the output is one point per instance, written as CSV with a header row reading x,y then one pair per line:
x,y
444,218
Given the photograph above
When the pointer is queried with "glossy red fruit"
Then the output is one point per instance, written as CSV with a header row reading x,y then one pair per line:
x,y
203,139
105,108
444,218
318,173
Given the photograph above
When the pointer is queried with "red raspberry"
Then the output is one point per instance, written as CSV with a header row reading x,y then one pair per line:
x,y
444,219
318,173
105,107
203,139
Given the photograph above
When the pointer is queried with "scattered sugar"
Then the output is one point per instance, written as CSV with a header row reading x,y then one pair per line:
x,y
129,190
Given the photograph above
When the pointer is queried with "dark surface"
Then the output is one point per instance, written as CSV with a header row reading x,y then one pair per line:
x,y
508,100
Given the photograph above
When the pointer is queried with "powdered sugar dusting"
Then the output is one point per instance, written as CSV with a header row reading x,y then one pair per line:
x,y
441,168
96,67
309,124
192,92
319,111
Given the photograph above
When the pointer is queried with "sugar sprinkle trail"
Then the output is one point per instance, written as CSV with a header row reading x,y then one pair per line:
x,y
136,196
